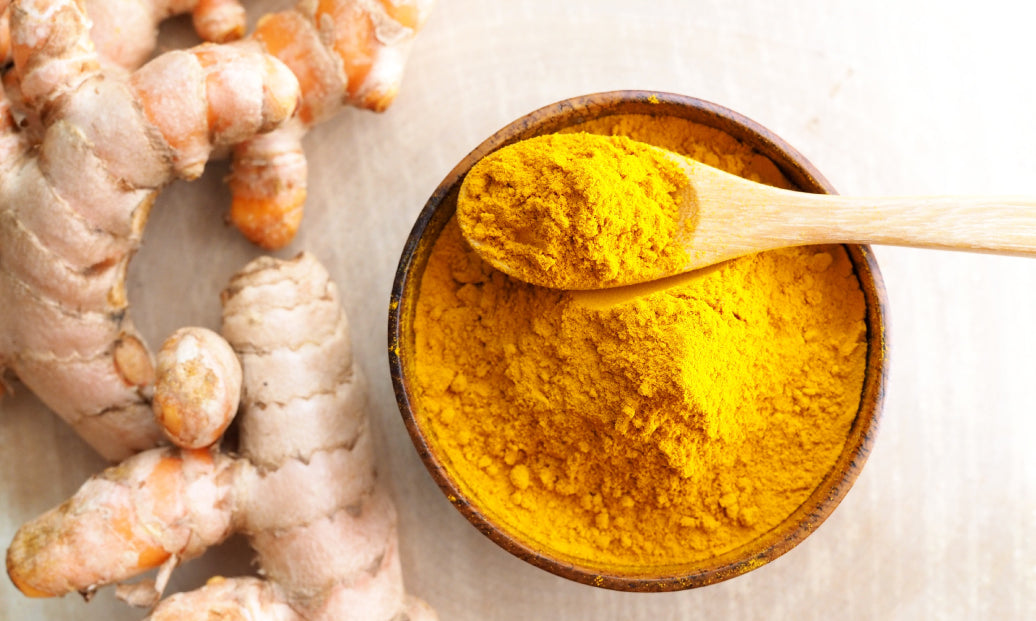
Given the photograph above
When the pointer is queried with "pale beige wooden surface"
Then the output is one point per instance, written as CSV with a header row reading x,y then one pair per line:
x,y
884,97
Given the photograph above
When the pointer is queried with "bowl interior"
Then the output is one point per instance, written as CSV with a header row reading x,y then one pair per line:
x,y
440,208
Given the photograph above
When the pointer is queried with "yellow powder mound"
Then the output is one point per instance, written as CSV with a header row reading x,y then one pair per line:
x,y
657,424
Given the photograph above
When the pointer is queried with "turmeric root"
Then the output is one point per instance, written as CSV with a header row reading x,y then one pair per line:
x,y
125,32
197,387
75,192
5,32
304,488
344,52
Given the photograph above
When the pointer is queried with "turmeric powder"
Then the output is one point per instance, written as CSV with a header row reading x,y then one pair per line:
x,y
577,212
659,424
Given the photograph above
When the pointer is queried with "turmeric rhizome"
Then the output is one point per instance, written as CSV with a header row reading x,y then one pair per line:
x,y
664,423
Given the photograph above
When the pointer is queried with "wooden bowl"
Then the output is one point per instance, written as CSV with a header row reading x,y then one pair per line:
x,y
811,513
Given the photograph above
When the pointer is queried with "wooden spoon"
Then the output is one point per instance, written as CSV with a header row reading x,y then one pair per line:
x,y
720,216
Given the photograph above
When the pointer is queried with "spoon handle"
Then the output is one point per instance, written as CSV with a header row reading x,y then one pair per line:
x,y
731,217
1004,224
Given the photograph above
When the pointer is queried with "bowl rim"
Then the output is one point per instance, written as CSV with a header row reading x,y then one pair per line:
x,y
832,488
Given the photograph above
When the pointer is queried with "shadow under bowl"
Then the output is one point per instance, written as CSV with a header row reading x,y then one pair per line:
x,y
802,175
